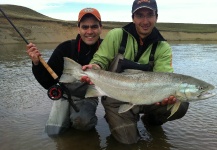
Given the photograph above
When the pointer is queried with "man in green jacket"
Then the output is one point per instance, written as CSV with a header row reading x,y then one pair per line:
x,y
145,49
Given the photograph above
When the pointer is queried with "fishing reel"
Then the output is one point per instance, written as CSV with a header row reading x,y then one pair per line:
x,y
55,92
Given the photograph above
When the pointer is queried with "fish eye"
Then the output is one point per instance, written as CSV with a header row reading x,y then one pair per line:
x,y
200,88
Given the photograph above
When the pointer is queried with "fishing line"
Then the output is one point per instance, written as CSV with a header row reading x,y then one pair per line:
x,y
52,73
13,26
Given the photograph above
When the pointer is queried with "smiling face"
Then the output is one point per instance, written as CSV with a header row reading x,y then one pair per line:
x,y
89,30
144,20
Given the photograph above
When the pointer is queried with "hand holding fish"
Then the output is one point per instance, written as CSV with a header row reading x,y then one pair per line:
x,y
86,79
85,67
33,53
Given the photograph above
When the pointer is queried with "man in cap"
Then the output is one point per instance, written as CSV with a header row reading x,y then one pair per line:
x,y
81,50
144,49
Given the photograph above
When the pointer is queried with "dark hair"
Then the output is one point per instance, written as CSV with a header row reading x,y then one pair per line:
x,y
89,16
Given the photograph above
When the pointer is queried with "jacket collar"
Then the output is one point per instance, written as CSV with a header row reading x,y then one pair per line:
x,y
83,53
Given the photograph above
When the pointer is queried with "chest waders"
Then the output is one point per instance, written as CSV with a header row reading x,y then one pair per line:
x,y
123,126
119,64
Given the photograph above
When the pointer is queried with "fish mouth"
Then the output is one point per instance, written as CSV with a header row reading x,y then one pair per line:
x,y
212,87
205,95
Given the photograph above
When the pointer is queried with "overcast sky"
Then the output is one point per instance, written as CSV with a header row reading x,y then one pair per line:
x,y
176,11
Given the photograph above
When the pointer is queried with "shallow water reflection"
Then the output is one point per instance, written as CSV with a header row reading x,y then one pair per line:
x,y
24,108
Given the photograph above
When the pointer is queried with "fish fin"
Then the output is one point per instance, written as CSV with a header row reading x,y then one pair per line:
x,y
169,106
93,91
174,108
72,71
125,107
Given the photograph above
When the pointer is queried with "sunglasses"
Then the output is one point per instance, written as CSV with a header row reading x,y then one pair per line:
x,y
85,27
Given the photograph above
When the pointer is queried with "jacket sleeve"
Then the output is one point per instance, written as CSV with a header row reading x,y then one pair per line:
x,y
55,62
163,58
42,76
108,49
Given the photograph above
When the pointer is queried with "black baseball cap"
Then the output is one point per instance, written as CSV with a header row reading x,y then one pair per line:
x,y
137,4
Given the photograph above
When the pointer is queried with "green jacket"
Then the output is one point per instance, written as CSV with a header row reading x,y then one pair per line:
x,y
110,45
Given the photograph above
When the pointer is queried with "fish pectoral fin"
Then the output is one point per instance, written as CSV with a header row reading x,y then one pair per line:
x,y
169,106
125,107
92,91
173,108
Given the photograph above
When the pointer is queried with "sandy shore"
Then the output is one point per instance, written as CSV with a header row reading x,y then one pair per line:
x,y
54,32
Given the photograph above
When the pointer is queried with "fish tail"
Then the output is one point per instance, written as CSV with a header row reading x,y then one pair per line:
x,y
72,71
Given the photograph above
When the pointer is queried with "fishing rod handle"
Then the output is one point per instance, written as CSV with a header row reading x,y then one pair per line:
x,y
52,73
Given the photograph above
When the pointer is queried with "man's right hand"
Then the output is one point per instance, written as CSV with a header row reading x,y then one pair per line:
x,y
33,53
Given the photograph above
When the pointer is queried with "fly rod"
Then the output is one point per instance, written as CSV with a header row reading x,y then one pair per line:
x,y
54,92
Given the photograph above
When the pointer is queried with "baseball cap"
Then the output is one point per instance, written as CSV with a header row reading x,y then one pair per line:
x,y
137,4
92,11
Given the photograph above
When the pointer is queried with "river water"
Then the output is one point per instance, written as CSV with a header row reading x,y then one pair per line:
x,y
24,108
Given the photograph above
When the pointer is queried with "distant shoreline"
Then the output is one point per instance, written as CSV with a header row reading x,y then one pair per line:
x,y
53,32
184,36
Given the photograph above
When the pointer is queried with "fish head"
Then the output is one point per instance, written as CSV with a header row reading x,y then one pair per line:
x,y
195,90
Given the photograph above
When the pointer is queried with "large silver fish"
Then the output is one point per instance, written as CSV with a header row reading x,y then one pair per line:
x,y
138,87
